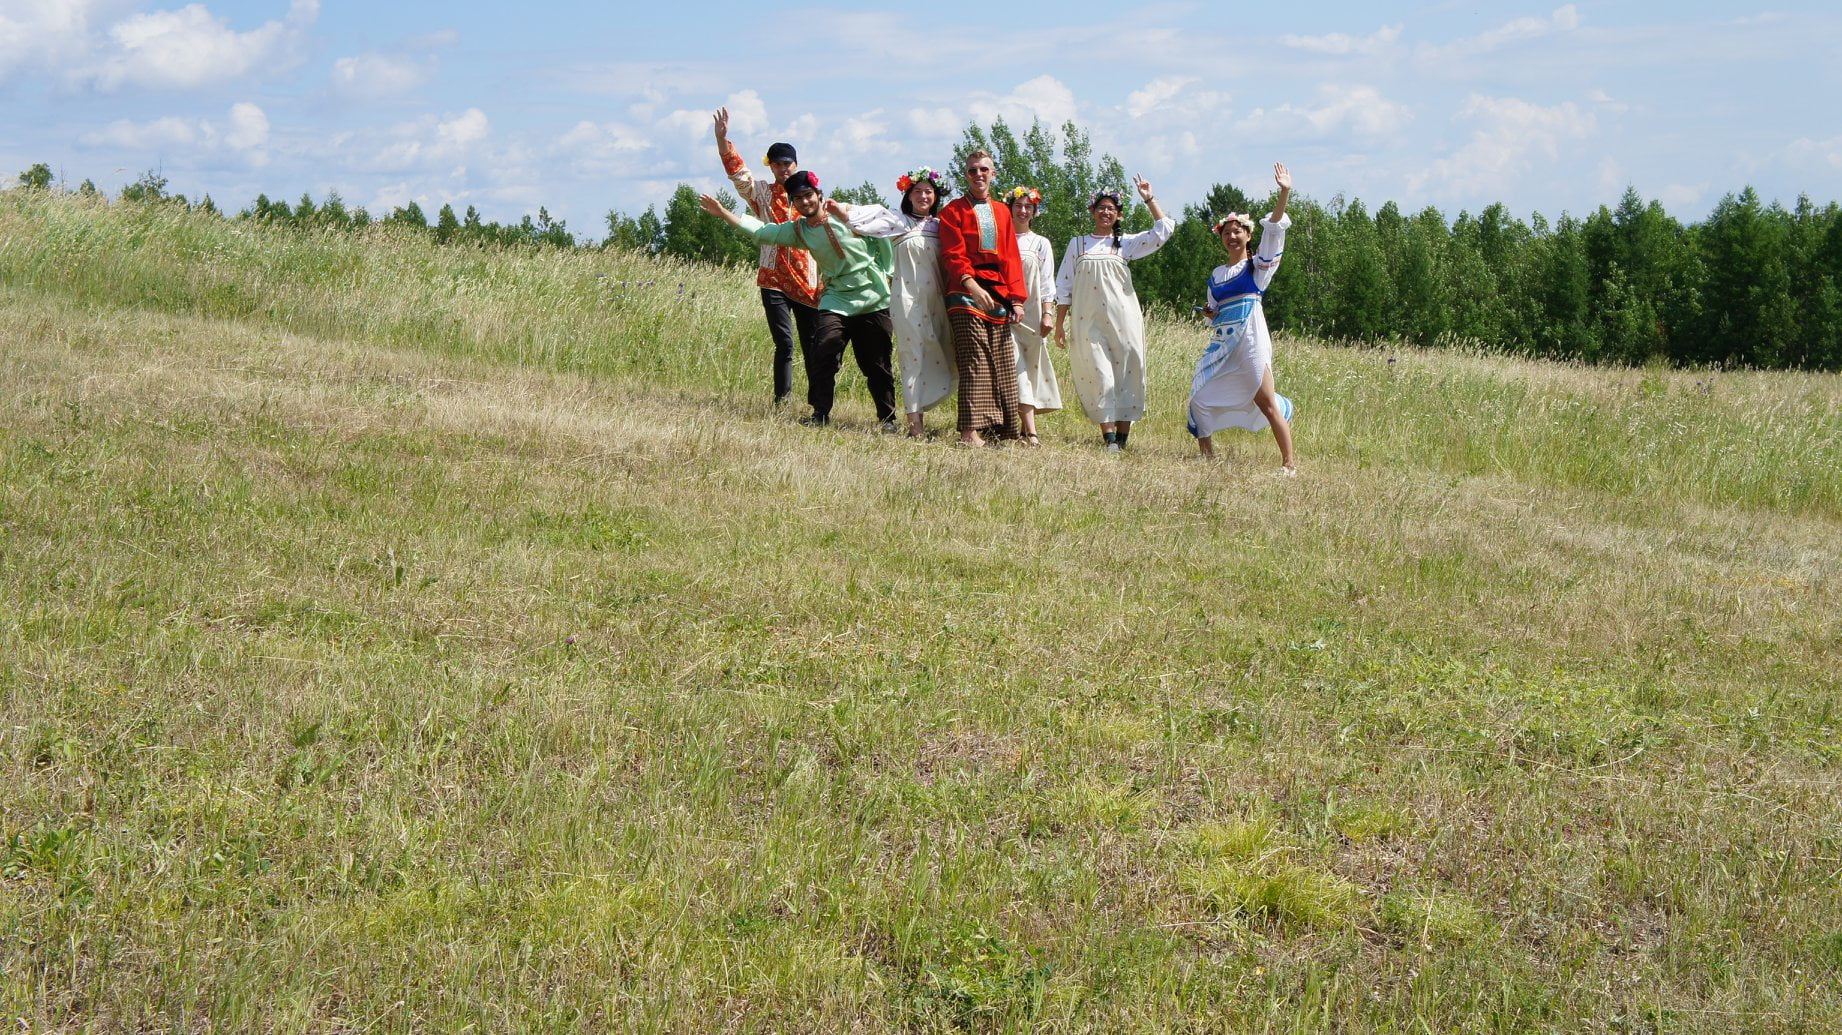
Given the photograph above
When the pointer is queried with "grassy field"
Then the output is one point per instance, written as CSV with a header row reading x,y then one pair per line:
x,y
405,639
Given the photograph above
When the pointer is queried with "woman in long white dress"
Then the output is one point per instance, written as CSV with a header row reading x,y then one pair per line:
x,y
1233,386
1037,389
1098,308
917,303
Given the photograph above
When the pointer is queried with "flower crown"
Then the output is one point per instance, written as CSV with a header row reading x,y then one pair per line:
x,y
1029,194
921,175
1233,217
1114,194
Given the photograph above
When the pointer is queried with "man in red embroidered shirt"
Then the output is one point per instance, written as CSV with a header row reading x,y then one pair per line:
x,y
788,279
985,294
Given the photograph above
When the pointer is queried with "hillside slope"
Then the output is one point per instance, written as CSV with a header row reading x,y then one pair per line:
x,y
410,639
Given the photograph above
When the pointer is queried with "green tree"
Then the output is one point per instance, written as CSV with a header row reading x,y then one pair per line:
x,y
36,178
447,224
151,187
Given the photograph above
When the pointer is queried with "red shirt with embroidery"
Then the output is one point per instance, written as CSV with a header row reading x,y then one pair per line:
x,y
976,238
790,271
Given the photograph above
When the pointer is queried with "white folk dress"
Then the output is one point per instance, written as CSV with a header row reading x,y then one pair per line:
x,y
918,309
1106,328
1036,384
1240,350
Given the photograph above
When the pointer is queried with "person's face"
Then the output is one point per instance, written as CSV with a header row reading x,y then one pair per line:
x,y
921,198
979,173
1022,211
783,168
1106,213
1235,238
807,203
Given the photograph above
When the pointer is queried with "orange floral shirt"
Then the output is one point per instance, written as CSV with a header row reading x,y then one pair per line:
x,y
790,271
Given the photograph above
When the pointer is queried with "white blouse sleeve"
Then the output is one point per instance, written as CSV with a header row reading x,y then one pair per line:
x,y
878,221
1139,245
1272,246
1064,277
1045,283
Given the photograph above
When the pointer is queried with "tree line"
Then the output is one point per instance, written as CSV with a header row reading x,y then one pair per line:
x,y
1754,284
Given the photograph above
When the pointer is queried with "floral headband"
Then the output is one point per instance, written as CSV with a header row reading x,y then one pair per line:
x,y
921,175
1029,194
1233,217
1109,194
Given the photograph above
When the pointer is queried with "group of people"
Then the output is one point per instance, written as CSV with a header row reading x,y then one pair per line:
x,y
962,291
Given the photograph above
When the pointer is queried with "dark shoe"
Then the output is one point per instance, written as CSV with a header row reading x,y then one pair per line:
x,y
817,420
1122,437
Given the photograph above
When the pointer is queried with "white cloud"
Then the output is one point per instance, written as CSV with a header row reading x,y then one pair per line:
x,y
469,127
152,135
1341,43
191,47
1608,102
43,34
1564,19
249,127
1806,151
1044,98
1512,134
374,76
1359,109
1682,195
933,123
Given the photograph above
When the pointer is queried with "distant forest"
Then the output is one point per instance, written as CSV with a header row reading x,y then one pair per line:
x,y
1752,285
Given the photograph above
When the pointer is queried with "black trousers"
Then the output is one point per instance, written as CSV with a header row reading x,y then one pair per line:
x,y
783,315
872,341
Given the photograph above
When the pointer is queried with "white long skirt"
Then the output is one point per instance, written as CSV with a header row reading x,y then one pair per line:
x,y
1227,378
918,310
1106,341
1036,384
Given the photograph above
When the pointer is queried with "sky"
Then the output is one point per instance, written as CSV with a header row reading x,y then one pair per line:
x,y
586,107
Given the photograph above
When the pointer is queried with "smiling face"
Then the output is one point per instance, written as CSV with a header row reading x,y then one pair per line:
x,y
1236,237
808,203
1022,211
921,198
979,174
1106,214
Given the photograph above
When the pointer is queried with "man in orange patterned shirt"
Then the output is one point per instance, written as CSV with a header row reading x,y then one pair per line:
x,y
788,279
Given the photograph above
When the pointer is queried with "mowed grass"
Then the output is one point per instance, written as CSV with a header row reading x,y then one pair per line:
x,y
405,639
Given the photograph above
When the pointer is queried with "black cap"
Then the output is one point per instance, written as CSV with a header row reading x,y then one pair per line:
x,y
801,182
782,152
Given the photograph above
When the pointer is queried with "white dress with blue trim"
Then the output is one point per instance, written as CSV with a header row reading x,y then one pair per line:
x,y
1240,349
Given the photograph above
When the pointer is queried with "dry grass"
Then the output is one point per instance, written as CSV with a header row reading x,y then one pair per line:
x,y
366,663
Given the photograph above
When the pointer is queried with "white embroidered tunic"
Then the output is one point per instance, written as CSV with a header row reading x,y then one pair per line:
x,y
1106,328
1036,384
1240,350
924,338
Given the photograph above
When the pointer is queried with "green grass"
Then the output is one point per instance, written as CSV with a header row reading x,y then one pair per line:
x,y
396,638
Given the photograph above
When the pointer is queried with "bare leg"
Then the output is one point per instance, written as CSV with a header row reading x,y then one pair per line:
x,y
1026,419
916,429
1206,446
1267,400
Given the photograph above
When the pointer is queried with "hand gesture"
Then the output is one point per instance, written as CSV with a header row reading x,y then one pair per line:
x,y
838,208
711,205
1061,337
1282,176
1144,187
722,123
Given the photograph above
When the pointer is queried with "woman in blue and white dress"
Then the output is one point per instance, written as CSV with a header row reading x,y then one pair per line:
x,y
1233,386
923,337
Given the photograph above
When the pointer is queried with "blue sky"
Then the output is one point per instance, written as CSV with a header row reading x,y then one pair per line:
x,y
584,107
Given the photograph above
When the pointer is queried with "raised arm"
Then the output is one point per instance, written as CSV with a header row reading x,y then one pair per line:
x,y
1283,177
1150,199
733,165
785,235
